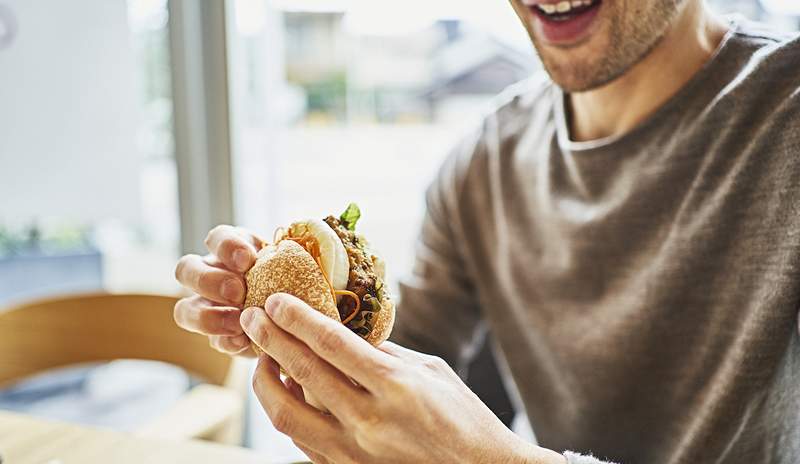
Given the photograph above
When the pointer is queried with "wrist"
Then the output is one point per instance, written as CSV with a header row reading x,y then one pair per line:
x,y
522,452
548,456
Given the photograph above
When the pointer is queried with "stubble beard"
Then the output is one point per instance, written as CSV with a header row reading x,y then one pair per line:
x,y
628,42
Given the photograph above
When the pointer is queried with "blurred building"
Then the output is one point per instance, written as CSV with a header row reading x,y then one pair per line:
x,y
417,77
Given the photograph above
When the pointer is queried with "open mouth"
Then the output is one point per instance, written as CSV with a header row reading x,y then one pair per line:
x,y
564,21
564,10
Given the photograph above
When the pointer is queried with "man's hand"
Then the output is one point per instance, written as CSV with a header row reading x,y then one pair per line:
x,y
386,405
217,281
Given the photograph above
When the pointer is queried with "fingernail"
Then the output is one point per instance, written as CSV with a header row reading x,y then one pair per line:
x,y
273,303
232,290
247,317
241,258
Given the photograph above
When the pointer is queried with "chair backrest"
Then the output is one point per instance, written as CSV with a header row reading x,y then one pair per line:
x,y
56,332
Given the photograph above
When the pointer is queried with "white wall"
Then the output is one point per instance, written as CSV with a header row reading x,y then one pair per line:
x,y
68,114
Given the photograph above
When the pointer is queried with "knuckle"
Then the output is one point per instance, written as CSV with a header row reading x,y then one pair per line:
x,y
399,386
282,419
329,341
391,375
180,267
366,419
386,370
216,230
370,439
226,247
301,369
208,321
435,363
287,314
207,281
259,336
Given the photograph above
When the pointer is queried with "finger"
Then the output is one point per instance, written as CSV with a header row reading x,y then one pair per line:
x,y
398,351
295,389
330,386
235,247
315,457
197,314
239,344
290,416
212,282
331,340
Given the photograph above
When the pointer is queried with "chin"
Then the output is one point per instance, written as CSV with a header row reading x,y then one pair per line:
x,y
579,68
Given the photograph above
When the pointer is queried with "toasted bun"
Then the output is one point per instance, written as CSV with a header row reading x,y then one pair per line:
x,y
382,324
289,268
332,252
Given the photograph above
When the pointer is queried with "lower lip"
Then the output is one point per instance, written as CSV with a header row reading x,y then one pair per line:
x,y
568,31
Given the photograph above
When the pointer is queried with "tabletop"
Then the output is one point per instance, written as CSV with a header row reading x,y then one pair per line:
x,y
28,440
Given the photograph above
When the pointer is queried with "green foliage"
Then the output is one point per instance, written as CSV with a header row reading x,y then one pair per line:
x,y
32,240
327,95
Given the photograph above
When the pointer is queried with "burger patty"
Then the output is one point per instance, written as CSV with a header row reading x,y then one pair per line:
x,y
362,279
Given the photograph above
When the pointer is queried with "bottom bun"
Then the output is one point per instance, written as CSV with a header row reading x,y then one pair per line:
x,y
382,323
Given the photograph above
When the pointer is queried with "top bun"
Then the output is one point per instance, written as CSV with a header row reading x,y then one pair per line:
x,y
288,268
332,252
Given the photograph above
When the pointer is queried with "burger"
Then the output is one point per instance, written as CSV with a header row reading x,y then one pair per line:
x,y
330,266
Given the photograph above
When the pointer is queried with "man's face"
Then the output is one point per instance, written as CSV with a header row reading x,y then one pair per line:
x,y
587,43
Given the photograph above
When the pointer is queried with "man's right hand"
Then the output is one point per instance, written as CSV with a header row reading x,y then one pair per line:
x,y
218,286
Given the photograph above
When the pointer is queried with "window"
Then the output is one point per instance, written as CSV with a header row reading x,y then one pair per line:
x,y
336,102
87,176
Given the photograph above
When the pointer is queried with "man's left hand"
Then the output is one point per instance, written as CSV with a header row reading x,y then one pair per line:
x,y
388,404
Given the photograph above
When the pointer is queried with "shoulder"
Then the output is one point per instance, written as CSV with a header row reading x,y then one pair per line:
x,y
767,59
760,95
518,105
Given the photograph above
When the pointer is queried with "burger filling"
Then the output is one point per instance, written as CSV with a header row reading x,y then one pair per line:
x,y
363,279
361,300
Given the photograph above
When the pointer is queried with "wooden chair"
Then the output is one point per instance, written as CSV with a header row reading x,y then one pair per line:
x,y
57,332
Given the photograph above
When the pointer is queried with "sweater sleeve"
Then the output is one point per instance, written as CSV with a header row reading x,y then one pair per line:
x,y
438,312
575,458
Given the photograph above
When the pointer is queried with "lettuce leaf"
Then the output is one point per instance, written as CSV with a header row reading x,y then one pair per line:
x,y
350,216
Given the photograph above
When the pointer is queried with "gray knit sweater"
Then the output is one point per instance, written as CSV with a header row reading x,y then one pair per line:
x,y
642,289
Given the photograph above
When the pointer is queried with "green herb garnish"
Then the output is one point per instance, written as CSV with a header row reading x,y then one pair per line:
x,y
350,216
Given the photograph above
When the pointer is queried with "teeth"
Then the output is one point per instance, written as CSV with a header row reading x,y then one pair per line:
x,y
564,6
548,8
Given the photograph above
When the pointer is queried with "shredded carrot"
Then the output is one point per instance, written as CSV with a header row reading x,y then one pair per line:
x,y
358,304
310,244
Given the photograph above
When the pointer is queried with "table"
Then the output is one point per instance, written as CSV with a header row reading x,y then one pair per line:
x,y
28,440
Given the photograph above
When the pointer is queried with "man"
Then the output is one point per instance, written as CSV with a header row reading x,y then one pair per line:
x,y
629,230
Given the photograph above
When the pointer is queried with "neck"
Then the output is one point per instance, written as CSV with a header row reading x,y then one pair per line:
x,y
617,107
